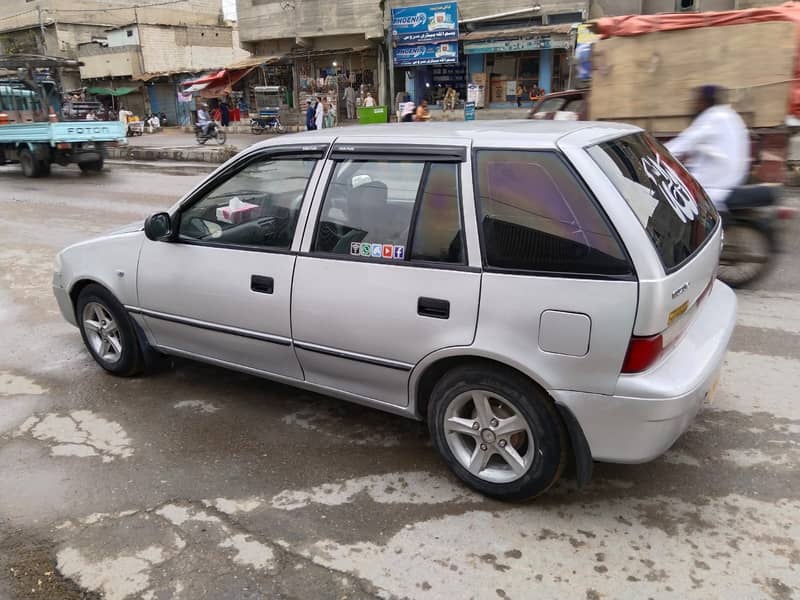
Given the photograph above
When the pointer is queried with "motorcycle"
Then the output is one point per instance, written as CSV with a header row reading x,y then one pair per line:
x,y
266,123
751,233
213,132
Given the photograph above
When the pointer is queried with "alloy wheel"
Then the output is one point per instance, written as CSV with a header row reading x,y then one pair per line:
x,y
489,437
102,332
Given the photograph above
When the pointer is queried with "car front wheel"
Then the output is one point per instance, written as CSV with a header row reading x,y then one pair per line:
x,y
498,432
108,331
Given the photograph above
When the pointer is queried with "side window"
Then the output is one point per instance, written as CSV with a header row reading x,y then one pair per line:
x,y
437,230
258,206
535,215
392,210
368,205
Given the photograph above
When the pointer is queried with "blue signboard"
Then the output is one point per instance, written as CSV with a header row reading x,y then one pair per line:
x,y
469,111
427,23
426,54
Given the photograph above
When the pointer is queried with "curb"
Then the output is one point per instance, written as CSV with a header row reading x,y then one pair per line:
x,y
142,153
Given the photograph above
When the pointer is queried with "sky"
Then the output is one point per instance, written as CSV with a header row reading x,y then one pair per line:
x,y
229,9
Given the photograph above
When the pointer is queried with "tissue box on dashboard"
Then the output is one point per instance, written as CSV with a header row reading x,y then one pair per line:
x,y
238,213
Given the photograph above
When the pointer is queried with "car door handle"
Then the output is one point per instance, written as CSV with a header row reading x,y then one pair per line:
x,y
433,307
261,284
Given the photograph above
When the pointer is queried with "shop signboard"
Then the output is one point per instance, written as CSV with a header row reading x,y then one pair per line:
x,y
518,45
469,111
426,23
426,54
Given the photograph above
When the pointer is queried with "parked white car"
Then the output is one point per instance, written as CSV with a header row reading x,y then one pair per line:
x,y
539,292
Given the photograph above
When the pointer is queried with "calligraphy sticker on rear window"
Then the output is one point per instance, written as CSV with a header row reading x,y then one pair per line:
x,y
666,180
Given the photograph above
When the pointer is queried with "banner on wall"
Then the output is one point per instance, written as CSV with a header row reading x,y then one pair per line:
x,y
517,45
426,54
427,23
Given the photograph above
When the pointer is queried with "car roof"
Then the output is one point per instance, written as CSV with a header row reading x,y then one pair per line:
x,y
539,134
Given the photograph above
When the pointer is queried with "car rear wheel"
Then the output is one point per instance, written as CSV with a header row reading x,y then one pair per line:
x,y
108,331
498,432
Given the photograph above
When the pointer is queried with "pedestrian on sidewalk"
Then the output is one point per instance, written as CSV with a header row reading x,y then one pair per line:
x,y
520,94
407,109
311,124
225,113
423,114
319,114
350,101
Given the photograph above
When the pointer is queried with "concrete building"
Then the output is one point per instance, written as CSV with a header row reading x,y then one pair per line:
x,y
148,48
504,47
327,44
338,43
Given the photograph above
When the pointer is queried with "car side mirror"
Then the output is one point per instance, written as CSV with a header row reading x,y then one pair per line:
x,y
158,227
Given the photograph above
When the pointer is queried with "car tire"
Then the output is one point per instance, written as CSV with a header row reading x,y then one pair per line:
x,y
108,331
514,448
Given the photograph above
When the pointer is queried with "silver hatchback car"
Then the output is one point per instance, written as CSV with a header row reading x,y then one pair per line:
x,y
539,292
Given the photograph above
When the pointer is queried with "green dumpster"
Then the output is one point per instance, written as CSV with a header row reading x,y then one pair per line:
x,y
374,114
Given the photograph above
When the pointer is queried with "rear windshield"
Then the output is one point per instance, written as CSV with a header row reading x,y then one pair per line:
x,y
670,204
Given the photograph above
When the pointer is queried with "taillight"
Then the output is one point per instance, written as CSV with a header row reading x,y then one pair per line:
x,y
642,353
786,212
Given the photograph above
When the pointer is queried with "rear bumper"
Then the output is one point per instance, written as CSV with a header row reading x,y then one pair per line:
x,y
651,410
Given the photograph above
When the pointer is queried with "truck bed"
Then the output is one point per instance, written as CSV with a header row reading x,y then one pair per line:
x,y
67,131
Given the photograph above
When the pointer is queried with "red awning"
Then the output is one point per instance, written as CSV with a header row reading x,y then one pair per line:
x,y
216,84
211,78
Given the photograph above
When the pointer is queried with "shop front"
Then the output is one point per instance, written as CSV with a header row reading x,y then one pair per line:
x,y
327,74
514,66
426,54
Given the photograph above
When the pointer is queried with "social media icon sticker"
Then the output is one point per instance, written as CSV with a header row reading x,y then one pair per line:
x,y
366,249
399,252
377,250
388,251
355,248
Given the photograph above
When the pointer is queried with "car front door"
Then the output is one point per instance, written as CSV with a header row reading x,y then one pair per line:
x,y
383,277
220,290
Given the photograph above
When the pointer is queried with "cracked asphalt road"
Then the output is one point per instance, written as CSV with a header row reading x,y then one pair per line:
x,y
201,483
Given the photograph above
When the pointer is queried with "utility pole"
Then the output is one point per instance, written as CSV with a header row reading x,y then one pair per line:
x,y
145,95
43,46
390,58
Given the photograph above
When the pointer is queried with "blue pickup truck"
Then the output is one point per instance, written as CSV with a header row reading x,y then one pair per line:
x,y
38,145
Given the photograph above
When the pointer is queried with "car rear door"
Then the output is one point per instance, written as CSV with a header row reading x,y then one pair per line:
x,y
683,232
384,277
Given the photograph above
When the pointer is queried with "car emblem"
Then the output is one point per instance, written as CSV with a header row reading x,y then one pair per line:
x,y
680,291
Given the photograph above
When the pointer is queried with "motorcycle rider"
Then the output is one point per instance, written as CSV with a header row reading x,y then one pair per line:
x,y
203,118
715,148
